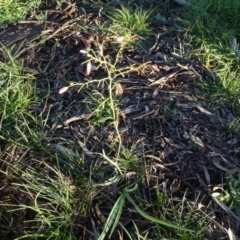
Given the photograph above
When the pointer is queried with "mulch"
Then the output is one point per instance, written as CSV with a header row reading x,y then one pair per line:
x,y
182,138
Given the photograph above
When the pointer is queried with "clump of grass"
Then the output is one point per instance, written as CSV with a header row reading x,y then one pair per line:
x,y
115,214
234,126
44,200
100,107
16,93
129,23
12,11
212,27
134,21
231,195
182,214
130,160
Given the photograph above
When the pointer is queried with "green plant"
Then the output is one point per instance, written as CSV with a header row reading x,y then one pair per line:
x,y
49,201
130,23
137,234
117,209
11,11
129,159
100,107
16,93
210,28
136,21
172,112
231,195
14,10
104,104
181,213
160,198
234,126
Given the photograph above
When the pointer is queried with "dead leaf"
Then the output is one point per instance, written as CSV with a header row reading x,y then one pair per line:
x,y
63,90
118,89
185,135
231,171
88,69
197,141
155,67
123,115
120,39
232,141
207,176
216,163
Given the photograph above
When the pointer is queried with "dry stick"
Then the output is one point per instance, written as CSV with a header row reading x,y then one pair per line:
x,y
65,25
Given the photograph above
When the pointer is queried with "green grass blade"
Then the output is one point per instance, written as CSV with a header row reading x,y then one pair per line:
x,y
113,218
153,219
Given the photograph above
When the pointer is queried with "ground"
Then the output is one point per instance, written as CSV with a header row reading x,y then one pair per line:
x,y
116,117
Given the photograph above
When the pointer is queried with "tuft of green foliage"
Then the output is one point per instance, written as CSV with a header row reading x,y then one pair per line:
x,y
12,11
181,213
213,28
130,24
231,195
134,21
49,201
16,92
117,209
100,107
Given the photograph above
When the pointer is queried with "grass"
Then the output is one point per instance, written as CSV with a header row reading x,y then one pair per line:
x,y
129,24
47,204
17,93
230,196
211,32
117,209
14,10
127,21
8,15
175,209
50,190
